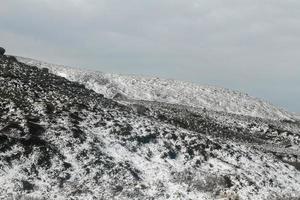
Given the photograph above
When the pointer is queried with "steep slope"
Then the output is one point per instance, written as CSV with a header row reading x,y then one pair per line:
x,y
59,140
168,91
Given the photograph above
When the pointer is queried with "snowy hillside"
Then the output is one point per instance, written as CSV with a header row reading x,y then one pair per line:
x,y
60,140
169,91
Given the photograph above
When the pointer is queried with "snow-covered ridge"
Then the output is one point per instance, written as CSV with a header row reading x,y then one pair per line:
x,y
59,140
168,91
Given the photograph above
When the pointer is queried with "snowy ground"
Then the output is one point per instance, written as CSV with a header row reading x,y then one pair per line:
x,y
59,140
168,91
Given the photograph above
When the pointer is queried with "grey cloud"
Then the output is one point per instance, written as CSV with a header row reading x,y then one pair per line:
x,y
249,45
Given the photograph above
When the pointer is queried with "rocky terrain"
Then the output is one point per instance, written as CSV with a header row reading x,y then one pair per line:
x,y
64,140
166,91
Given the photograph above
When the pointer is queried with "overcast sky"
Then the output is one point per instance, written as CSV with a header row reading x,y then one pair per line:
x,y
247,45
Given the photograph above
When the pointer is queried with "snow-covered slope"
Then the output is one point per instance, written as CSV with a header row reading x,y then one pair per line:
x,y
169,91
59,140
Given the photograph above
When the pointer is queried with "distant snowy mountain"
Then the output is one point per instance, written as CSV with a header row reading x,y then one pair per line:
x,y
60,140
168,91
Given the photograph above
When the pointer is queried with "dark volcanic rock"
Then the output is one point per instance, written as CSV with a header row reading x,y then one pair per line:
x,y
2,51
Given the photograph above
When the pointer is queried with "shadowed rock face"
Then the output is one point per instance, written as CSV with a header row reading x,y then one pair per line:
x,y
2,51
59,140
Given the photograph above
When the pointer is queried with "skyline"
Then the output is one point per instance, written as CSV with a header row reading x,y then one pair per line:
x,y
250,46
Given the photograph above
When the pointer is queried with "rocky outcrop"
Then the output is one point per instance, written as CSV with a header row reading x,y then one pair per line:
x,y
2,51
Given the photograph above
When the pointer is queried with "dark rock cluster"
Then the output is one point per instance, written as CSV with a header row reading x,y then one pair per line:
x,y
2,51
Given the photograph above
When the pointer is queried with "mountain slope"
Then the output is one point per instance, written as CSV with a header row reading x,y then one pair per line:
x,y
59,140
168,91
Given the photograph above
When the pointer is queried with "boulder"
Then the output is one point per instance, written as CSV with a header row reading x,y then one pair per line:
x,y
2,51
